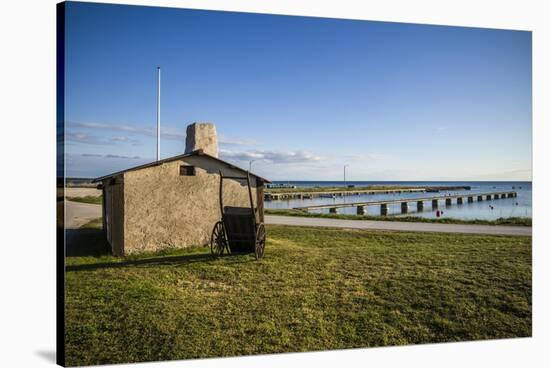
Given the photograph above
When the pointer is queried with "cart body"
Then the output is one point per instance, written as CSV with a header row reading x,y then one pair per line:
x,y
239,230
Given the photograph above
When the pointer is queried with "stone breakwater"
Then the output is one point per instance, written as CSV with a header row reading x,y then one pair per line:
x,y
273,196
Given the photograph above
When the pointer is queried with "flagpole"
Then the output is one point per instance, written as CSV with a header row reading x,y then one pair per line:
x,y
158,113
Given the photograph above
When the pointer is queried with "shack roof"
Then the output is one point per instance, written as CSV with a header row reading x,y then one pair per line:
x,y
175,158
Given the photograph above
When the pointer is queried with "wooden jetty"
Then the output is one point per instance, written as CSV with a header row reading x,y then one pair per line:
x,y
270,196
362,206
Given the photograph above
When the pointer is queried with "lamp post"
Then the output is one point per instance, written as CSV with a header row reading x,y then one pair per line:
x,y
345,183
345,174
250,165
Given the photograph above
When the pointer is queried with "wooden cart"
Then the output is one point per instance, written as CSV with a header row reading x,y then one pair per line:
x,y
239,230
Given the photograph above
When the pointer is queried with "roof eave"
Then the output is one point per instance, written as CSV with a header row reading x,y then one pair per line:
x,y
199,152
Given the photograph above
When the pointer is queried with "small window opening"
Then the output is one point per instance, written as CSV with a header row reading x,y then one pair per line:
x,y
187,170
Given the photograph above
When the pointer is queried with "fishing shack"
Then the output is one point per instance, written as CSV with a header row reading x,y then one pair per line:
x,y
173,202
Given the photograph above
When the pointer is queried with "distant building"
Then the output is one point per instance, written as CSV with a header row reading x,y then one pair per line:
x,y
280,186
174,202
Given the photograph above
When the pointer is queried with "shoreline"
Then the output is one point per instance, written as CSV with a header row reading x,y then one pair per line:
x,y
516,221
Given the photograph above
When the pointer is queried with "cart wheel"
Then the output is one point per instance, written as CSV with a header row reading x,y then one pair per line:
x,y
260,241
218,241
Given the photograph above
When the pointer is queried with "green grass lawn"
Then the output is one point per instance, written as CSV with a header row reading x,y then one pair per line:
x,y
516,221
315,289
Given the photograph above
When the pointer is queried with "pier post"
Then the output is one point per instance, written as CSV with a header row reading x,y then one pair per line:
x,y
420,206
361,210
479,198
448,201
459,200
435,203
488,197
404,207
332,210
383,209
470,199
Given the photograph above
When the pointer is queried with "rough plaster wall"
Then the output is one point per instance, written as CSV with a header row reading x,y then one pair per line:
x,y
166,210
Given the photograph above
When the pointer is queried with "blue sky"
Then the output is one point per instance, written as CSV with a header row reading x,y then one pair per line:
x,y
302,96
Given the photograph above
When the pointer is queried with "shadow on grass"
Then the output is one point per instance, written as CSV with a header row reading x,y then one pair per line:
x,y
90,241
178,260
85,241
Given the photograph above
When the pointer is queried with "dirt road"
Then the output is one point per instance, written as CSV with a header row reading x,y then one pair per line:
x,y
77,214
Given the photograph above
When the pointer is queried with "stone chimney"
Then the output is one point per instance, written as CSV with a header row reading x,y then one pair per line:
x,y
202,136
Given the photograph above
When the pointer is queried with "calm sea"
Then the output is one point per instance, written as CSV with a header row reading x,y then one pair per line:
x,y
509,207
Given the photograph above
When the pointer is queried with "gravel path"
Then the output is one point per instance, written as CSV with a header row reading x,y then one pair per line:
x,y
77,214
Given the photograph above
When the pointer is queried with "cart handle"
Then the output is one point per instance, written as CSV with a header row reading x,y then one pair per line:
x,y
247,178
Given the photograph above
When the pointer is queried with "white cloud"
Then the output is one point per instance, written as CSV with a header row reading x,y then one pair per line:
x,y
122,156
124,139
368,156
110,156
275,157
83,138
165,132
222,139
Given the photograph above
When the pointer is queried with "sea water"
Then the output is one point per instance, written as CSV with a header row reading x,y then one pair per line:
x,y
519,206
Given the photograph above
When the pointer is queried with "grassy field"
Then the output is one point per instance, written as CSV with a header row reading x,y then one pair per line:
x,y
517,221
315,289
87,199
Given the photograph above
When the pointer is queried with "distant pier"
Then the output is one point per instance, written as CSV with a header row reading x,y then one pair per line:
x,y
459,199
271,196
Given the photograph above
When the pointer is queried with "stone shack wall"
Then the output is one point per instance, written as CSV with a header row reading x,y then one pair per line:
x,y
165,210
